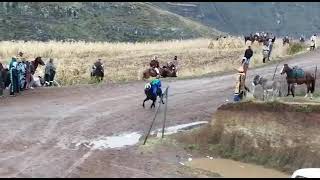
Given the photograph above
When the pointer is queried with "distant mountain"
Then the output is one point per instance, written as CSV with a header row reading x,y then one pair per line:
x,y
95,21
282,18
143,21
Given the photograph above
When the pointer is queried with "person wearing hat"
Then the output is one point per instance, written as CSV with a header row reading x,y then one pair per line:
x,y
21,67
313,42
50,71
98,70
246,59
270,45
248,53
14,77
265,52
2,79
239,91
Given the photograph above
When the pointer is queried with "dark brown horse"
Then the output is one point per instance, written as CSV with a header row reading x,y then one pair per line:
x,y
285,40
34,64
168,70
249,38
150,72
293,78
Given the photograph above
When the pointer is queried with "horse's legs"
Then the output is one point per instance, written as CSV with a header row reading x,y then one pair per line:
x,y
153,104
292,89
308,88
145,101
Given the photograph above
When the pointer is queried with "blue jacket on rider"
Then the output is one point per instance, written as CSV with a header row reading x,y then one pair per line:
x,y
156,86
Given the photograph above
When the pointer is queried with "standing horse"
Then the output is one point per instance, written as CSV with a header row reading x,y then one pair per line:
x,y
34,64
267,86
294,78
33,67
285,40
249,38
150,72
97,71
168,71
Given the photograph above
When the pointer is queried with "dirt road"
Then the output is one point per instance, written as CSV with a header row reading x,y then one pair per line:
x,y
39,128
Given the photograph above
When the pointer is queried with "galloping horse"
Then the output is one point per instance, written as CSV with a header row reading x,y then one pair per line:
x,y
150,72
148,90
304,78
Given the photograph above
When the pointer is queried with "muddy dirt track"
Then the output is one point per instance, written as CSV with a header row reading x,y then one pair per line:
x,y
39,129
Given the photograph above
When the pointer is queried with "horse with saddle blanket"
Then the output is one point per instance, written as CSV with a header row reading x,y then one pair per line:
x,y
298,76
152,90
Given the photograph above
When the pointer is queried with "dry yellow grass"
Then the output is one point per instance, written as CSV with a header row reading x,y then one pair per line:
x,y
126,61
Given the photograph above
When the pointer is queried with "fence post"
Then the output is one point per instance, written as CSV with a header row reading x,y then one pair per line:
x,y
154,118
165,112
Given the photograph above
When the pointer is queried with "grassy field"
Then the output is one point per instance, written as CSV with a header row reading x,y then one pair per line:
x,y
126,61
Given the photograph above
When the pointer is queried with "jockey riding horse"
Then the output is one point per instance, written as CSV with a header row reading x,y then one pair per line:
x,y
98,70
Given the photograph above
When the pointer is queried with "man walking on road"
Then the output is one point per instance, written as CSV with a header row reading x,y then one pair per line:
x,y
246,59
313,42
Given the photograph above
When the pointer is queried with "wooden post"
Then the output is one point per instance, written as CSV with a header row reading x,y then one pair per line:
x,y
154,118
165,112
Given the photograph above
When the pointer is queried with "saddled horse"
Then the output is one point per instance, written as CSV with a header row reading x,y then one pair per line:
x,y
150,72
285,41
148,90
298,76
168,70
165,71
97,71
262,40
249,38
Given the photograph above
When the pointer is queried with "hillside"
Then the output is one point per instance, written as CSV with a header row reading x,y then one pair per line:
x,y
92,21
282,18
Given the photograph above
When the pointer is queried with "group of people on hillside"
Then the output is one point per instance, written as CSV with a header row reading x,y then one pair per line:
x,y
240,88
19,74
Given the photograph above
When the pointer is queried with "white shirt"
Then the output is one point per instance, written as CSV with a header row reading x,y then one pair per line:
x,y
313,38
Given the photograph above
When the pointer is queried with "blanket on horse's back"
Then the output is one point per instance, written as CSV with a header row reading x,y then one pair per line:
x,y
297,73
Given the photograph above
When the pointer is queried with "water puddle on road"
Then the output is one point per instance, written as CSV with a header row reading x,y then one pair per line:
x,y
178,128
233,169
118,141
129,139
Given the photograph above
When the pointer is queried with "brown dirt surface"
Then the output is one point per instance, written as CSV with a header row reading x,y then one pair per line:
x,y
40,127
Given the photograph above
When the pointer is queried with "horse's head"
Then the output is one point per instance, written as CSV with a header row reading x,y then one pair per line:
x,y
256,80
284,69
38,60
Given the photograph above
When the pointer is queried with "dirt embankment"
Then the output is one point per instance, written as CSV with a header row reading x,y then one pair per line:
x,y
277,135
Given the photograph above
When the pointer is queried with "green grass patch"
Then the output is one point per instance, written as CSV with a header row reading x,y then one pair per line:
x,y
295,48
